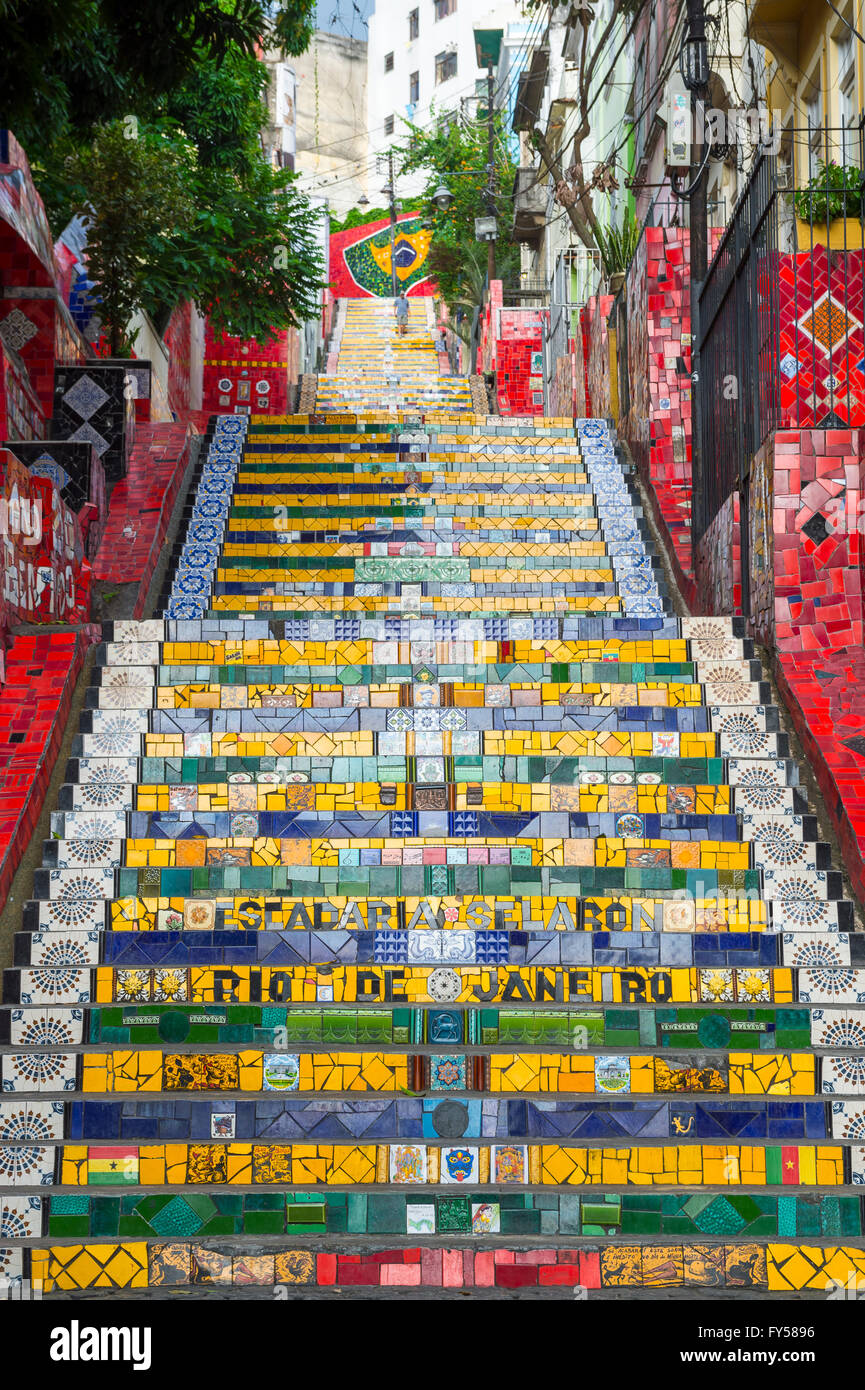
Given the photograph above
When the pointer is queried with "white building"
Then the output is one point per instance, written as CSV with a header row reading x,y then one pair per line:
x,y
279,136
332,120
420,61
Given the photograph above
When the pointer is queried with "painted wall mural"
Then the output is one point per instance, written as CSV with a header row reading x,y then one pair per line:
x,y
360,259
46,577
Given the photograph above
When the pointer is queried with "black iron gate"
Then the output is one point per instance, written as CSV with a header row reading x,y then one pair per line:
x,y
738,330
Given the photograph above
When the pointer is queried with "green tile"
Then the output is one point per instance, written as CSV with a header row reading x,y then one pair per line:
x,y
263,1223
357,1213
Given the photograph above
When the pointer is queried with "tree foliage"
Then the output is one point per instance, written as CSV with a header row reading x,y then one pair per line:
x,y
446,155
220,105
163,227
135,197
254,261
66,65
358,217
147,120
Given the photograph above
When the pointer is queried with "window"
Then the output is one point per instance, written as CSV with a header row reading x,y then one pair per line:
x,y
846,53
388,125
446,66
445,7
814,120
388,62
414,87
413,24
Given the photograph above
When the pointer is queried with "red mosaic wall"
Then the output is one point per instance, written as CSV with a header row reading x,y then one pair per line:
x,y
583,398
46,577
659,357
807,559
821,364
245,377
141,506
761,540
21,416
178,339
719,562
519,362
511,346
818,583
820,661
563,385
39,678
569,391
40,331
35,327
26,248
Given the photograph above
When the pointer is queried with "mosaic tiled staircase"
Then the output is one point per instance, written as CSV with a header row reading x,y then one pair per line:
x,y
378,369
428,907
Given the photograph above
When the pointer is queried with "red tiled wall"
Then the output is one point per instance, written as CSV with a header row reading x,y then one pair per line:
x,y
806,586
584,404
822,338
818,583
178,339
21,416
40,675
719,561
141,506
657,424
46,577
243,364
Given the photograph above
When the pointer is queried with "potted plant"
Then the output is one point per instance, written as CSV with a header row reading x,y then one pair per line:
x,y
829,208
617,246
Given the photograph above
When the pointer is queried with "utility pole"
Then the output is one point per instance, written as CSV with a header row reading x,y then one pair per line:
x,y
392,199
491,167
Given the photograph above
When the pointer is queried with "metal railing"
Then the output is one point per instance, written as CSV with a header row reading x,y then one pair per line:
x,y
529,287
675,212
576,276
780,312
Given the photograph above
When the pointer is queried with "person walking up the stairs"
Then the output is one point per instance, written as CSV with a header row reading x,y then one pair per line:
x,y
401,311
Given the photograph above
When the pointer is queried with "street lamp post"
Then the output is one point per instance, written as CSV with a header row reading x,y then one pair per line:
x,y
488,45
491,196
391,195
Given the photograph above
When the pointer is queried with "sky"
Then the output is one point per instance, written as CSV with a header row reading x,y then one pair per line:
x,y
343,16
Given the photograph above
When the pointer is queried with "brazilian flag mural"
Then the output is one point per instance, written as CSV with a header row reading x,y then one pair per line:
x,y
367,259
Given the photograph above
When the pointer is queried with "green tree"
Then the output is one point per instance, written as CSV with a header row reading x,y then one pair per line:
x,y
67,65
164,227
250,259
358,217
445,155
135,196
221,108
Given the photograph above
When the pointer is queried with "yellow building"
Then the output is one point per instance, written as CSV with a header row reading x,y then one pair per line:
x,y
815,79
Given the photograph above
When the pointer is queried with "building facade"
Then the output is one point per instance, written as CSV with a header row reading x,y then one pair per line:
x,y
331,157
421,62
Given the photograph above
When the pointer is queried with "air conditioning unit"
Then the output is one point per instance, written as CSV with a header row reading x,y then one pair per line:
x,y
677,148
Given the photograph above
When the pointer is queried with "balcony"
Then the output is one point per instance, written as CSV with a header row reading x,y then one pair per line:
x,y
530,90
530,206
